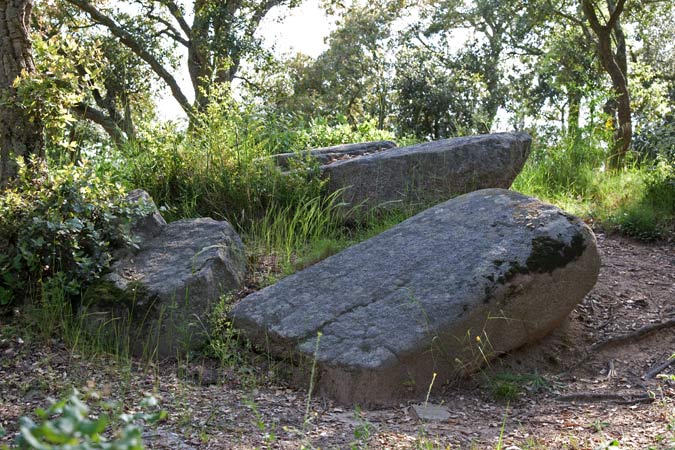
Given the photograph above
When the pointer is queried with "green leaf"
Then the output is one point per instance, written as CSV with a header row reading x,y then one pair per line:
x,y
93,427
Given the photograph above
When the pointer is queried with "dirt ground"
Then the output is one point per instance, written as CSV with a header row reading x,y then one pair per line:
x,y
587,383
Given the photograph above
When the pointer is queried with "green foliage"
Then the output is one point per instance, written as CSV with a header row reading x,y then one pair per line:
x,y
59,223
437,101
568,167
508,386
320,133
56,86
317,250
66,426
638,200
650,214
348,81
286,230
657,140
217,168
225,342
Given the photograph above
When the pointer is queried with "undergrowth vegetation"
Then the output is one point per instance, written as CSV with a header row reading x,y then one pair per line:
x,y
66,424
637,200
58,228
220,168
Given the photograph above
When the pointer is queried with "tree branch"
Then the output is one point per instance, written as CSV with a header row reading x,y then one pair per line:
x,y
614,17
249,82
569,17
90,113
178,15
442,58
170,30
592,17
260,13
128,39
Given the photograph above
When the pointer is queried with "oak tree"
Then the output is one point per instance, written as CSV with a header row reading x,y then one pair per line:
x,y
21,133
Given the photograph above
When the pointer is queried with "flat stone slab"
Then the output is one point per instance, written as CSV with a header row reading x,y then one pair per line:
x,y
325,155
426,174
430,413
464,281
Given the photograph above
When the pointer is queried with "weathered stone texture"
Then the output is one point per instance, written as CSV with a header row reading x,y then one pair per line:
x,y
425,174
164,293
413,301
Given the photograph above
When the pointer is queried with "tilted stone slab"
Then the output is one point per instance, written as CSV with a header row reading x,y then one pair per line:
x,y
162,296
468,279
324,155
429,173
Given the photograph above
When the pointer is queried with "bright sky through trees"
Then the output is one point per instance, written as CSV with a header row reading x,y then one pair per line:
x,y
301,29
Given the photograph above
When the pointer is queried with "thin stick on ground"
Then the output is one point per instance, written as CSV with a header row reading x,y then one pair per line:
x,y
628,337
634,335
622,399
657,369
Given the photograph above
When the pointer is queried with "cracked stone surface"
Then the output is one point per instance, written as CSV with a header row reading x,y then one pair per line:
x,y
426,174
466,280
167,289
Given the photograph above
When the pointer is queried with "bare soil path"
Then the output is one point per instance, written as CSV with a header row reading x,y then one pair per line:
x,y
580,395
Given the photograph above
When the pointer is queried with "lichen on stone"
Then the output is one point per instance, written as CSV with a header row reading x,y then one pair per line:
x,y
549,254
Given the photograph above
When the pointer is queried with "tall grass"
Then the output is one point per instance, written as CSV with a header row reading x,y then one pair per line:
x,y
218,168
638,200
286,230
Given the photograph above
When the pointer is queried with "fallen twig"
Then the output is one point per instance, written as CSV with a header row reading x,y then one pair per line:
x,y
615,340
634,335
622,399
657,369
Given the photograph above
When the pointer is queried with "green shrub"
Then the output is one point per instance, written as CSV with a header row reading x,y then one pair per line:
x,y
656,141
638,200
650,212
319,133
567,167
66,425
64,222
217,168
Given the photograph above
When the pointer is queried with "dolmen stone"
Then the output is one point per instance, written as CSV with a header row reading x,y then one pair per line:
x,y
161,295
435,296
149,224
325,155
422,175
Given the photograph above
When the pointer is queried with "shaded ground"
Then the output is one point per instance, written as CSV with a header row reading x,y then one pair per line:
x,y
569,398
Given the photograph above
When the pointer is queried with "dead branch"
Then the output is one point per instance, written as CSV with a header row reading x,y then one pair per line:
x,y
615,340
632,336
657,369
621,399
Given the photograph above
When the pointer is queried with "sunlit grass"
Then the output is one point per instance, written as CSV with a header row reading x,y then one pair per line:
x,y
638,200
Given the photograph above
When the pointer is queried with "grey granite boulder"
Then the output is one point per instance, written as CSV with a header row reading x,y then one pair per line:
x,y
161,296
149,224
466,280
426,174
325,155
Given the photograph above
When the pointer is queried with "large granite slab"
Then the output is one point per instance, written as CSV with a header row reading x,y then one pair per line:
x,y
440,293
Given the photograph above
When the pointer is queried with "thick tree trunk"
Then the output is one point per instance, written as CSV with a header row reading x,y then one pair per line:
x,y
21,132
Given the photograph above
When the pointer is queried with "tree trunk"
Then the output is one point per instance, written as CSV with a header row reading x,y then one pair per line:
x,y
21,131
615,65
573,107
